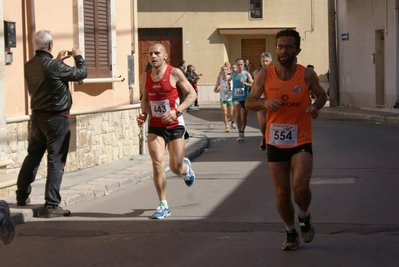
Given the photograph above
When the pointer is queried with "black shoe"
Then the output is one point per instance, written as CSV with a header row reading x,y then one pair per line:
x,y
22,198
292,240
57,212
307,230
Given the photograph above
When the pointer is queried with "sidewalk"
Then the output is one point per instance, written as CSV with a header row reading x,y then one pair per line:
x,y
356,113
99,181
102,180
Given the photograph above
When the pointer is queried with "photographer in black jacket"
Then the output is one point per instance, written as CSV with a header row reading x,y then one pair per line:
x,y
47,80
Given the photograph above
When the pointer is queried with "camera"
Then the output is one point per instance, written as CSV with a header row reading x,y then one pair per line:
x,y
69,53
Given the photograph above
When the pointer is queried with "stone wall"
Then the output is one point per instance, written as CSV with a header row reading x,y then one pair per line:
x,y
97,138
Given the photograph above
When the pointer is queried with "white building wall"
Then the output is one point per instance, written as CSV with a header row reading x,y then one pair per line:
x,y
361,19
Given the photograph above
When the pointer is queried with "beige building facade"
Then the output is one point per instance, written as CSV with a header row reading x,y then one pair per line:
x,y
105,104
208,33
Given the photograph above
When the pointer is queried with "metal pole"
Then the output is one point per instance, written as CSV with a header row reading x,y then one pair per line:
x,y
333,65
143,139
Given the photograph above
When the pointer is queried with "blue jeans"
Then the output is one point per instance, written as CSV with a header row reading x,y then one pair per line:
x,y
51,133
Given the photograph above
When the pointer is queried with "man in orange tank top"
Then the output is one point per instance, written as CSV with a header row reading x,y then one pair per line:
x,y
286,87
161,104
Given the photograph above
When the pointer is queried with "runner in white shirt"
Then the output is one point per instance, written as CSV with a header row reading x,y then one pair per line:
x,y
223,86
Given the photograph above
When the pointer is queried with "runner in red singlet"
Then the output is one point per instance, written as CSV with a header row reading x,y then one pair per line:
x,y
161,104
286,87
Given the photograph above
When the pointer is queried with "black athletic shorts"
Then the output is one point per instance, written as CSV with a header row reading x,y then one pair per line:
x,y
169,134
275,154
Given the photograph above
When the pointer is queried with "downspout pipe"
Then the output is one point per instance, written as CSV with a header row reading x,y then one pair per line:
x,y
31,25
142,131
397,54
311,20
333,53
29,32
133,16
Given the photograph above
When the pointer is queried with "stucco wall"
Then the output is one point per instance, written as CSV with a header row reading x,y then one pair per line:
x,y
207,50
105,128
64,28
357,78
14,85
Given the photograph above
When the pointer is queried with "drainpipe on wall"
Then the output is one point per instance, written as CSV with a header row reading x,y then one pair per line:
x,y
131,75
311,20
29,32
332,44
30,14
133,45
130,58
397,55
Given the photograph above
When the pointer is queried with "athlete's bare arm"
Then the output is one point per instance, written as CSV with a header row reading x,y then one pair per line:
x,y
177,77
254,102
217,85
312,81
145,105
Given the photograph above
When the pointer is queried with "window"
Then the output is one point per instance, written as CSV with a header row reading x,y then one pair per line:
x,y
255,9
97,38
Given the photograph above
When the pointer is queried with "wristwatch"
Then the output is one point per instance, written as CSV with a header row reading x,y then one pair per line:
x,y
178,113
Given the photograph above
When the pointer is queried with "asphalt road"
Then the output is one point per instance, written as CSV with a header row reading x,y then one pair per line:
x,y
229,217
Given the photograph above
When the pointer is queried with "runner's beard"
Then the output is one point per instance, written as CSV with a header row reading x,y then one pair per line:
x,y
286,62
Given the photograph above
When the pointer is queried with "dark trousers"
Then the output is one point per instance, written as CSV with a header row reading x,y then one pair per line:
x,y
196,100
51,133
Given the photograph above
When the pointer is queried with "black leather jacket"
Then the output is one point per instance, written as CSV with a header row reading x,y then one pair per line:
x,y
192,78
47,81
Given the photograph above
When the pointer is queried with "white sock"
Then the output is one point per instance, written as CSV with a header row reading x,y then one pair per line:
x,y
164,203
289,228
303,214
187,169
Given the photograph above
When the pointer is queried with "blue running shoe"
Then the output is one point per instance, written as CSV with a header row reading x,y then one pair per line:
x,y
189,175
161,212
7,228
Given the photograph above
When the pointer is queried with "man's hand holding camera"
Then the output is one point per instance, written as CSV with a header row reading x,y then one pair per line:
x,y
64,54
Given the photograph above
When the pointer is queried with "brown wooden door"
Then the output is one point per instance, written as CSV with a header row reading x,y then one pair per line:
x,y
252,49
172,40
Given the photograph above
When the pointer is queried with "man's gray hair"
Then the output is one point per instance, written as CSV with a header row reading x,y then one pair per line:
x,y
42,39
266,54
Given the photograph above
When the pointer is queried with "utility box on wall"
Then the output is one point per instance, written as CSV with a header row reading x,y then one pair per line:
x,y
130,69
10,39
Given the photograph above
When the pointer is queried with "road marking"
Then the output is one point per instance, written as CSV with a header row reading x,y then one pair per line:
x,y
338,180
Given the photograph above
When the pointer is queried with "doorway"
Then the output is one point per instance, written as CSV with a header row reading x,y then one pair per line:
x,y
171,38
251,49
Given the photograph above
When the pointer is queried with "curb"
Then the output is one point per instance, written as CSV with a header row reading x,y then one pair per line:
x,y
362,114
107,184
